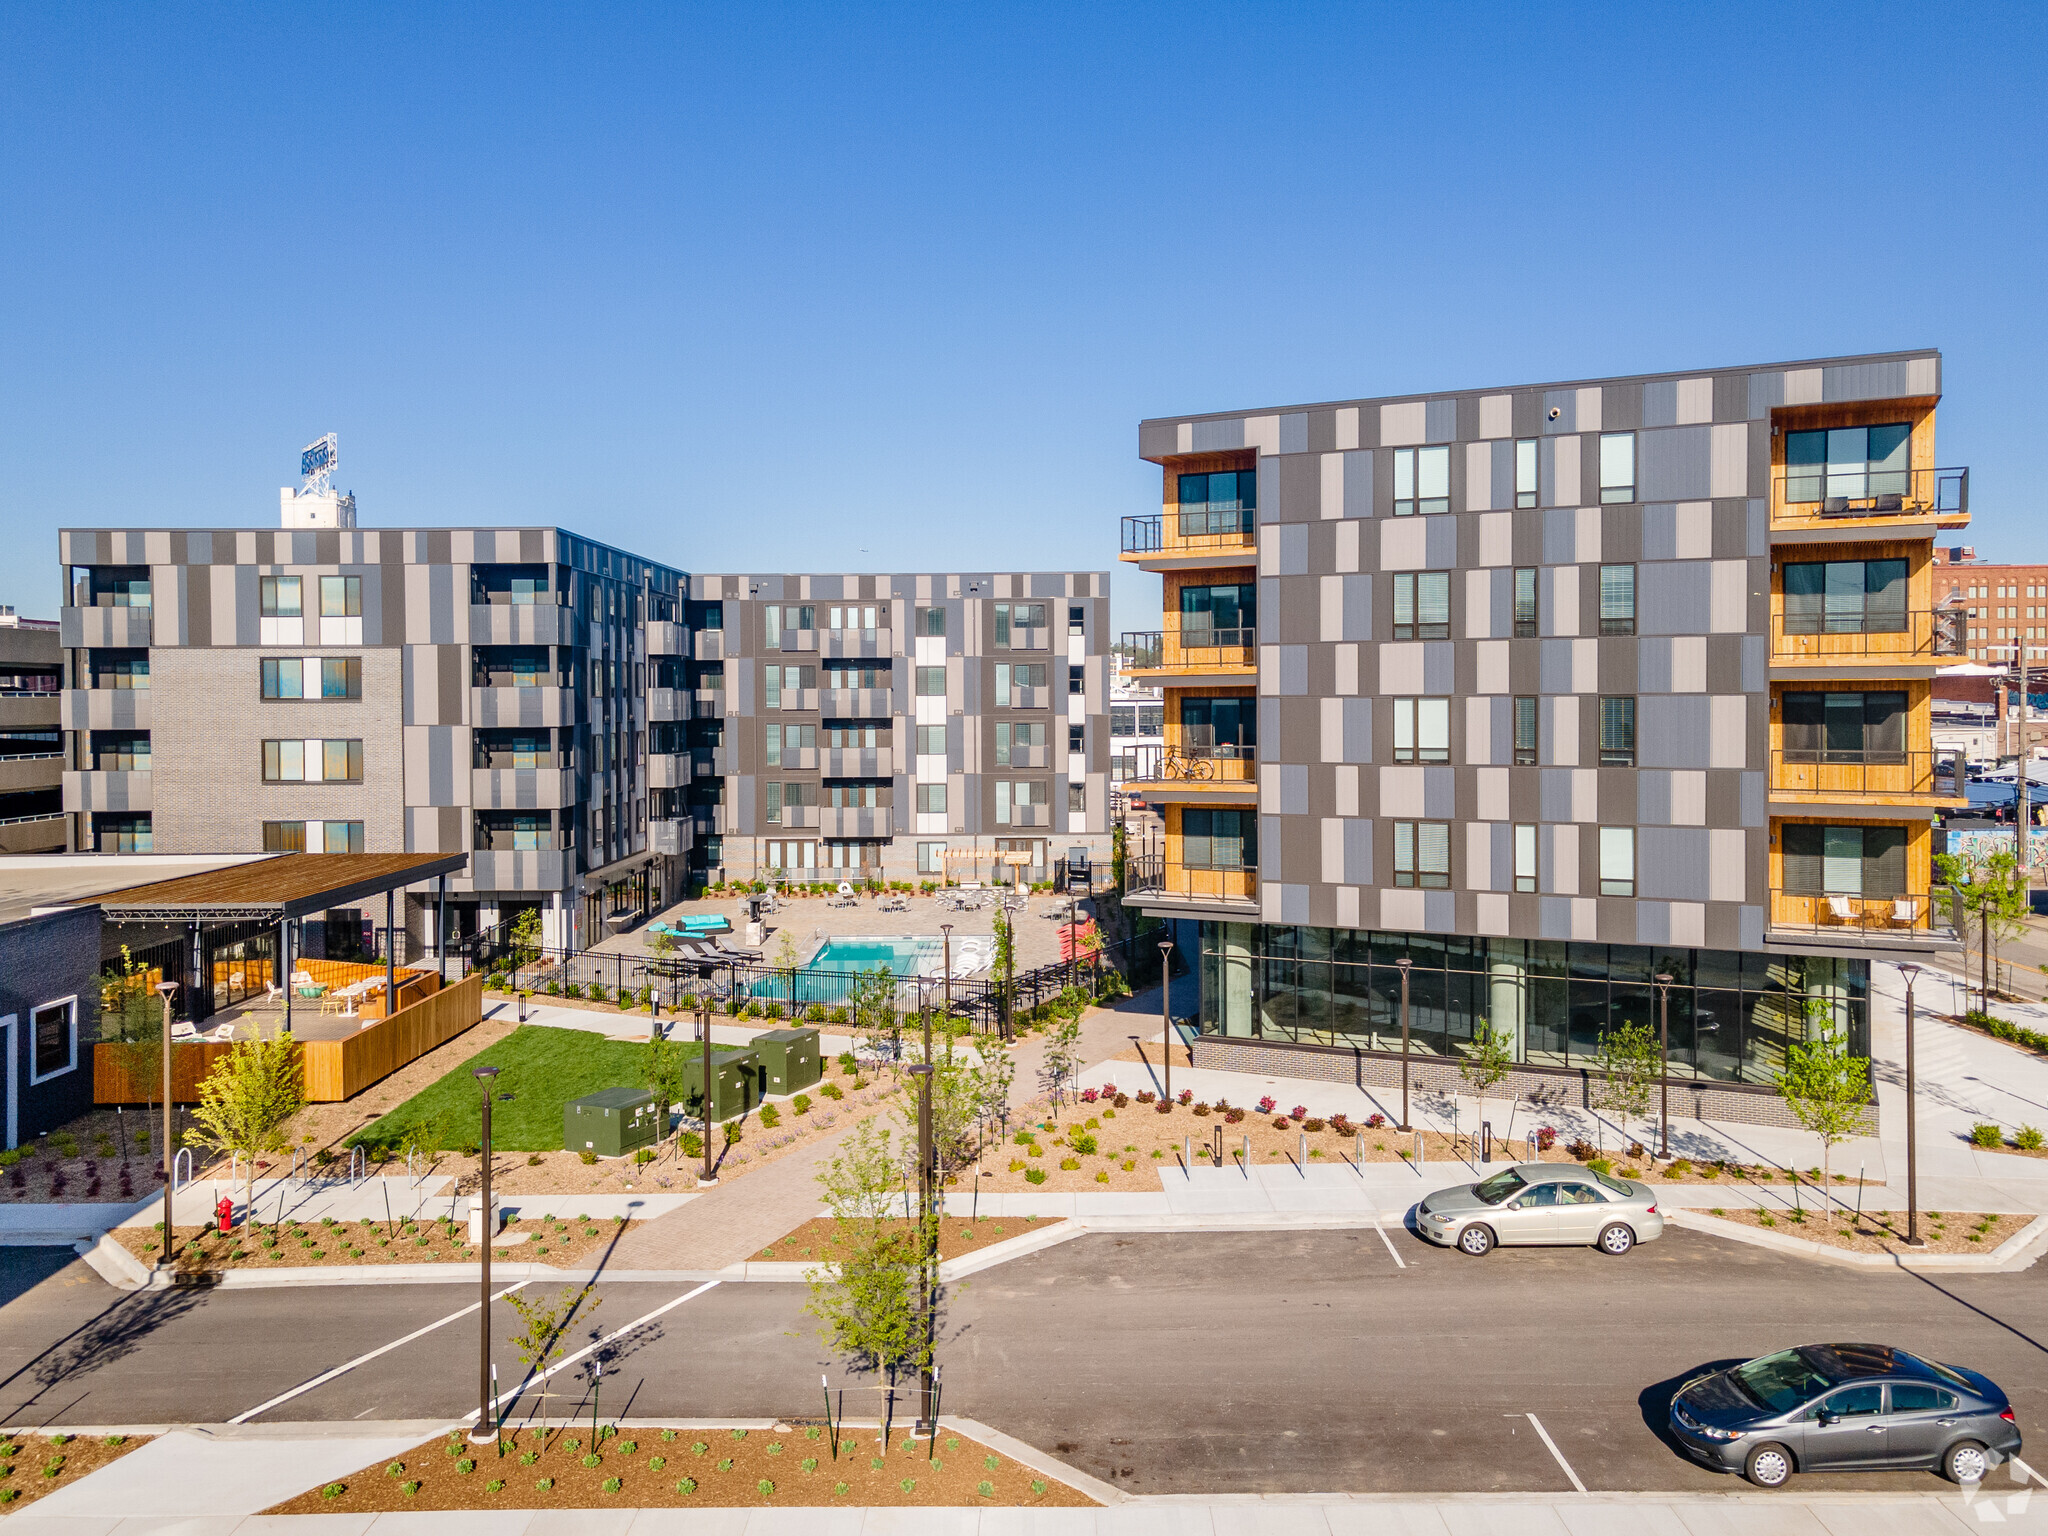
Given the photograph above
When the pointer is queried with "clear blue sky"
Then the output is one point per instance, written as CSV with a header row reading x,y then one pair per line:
x,y
850,287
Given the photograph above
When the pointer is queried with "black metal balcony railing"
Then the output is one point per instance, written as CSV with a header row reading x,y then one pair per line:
x,y
1936,775
1192,532
1177,764
1151,874
1857,917
1192,648
1865,635
1841,490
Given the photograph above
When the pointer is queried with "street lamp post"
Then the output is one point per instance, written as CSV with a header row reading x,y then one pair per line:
x,y
486,1431
707,1178
164,990
946,960
1403,965
1663,981
1166,1009
926,1186
1913,1239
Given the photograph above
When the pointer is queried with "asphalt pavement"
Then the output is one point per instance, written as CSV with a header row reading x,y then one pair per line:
x,y
1212,1363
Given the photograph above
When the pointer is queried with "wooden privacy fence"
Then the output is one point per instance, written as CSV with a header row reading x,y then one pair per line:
x,y
334,1069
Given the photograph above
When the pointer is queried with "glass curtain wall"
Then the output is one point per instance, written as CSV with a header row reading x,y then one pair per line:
x,y
1731,1013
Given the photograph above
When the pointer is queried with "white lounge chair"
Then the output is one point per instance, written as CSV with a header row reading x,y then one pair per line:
x,y
1842,909
1904,911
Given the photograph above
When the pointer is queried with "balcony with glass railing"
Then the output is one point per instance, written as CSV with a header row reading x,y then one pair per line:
x,y
1214,770
1153,881
1203,652
1830,495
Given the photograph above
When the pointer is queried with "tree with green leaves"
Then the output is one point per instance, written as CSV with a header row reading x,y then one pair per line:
x,y
132,1018
1486,1062
871,1001
666,1070
867,1303
1119,855
526,936
1989,890
246,1099
1629,1065
544,1334
1004,965
1062,1059
1823,1084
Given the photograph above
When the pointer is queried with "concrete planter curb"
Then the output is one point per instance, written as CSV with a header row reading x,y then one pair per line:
x,y
2017,1252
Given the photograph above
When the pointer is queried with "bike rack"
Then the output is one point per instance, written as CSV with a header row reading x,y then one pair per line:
x,y
357,1167
298,1165
182,1160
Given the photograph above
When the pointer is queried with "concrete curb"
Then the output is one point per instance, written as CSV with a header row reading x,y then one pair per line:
x,y
2016,1253
114,1263
1035,1459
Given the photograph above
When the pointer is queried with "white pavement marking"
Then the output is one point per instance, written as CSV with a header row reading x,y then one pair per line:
x,y
343,1370
1399,1262
2037,1477
562,1365
1568,1472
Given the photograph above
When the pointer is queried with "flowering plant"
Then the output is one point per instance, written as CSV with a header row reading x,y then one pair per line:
x,y
1187,1096
1546,1137
1375,1122
1107,1090
1299,1112
1266,1104
1088,1095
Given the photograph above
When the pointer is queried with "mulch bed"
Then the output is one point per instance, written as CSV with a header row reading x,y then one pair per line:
x,y
1885,1231
817,1240
791,1465
205,1250
33,1465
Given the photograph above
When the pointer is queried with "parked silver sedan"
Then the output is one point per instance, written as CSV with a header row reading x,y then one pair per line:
x,y
1537,1203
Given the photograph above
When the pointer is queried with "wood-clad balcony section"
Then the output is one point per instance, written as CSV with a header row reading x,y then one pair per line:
x,y
1815,498
1172,538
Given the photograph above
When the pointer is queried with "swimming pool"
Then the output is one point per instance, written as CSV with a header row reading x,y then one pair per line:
x,y
900,955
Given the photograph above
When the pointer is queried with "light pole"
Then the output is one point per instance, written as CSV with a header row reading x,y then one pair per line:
x,y
707,1178
1070,936
486,1431
1663,980
1913,1239
164,989
1402,965
926,1187
1166,1009
946,960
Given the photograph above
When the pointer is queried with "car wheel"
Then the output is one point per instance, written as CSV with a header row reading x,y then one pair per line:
x,y
1965,1462
1616,1240
1476,1240
1768,1466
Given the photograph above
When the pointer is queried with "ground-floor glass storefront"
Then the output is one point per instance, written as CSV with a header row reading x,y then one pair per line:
x,y
1731,1013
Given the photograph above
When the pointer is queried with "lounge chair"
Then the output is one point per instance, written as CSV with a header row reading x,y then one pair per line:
x,y
1842,909
1905,911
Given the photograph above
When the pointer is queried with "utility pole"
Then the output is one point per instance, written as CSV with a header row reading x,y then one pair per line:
x,y
927,1185
486,1431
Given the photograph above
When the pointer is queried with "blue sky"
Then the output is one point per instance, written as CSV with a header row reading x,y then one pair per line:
x,y
840,288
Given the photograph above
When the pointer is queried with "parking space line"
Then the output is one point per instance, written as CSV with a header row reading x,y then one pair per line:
x,y
513,1395
1537,1424
1392,1251
2037,1477
343,1370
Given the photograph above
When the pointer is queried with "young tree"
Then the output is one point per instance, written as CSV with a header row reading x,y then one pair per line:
x,y
872,1002
1486,1063
132,1017
1826,1088
667,1070
1629,1064
1991,891
526,937
1119,854
247,1098
545,1333
1004,965
867,1303
1062,1054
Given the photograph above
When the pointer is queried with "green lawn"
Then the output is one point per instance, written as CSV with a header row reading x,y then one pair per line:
x,y
542,1068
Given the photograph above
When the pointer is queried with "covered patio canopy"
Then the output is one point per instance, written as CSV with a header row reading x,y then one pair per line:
x,y
275,892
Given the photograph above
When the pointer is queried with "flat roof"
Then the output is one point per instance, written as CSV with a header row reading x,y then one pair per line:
x,y
277,889
29,881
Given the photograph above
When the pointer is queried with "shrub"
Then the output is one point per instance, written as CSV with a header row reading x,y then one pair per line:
x,y
770,1116
1164,1107
1375,1122
831,1090
2027,1138
553,989
1034,1175
751,1011
1342,1125
1280,1122
1581,1150
1546,1138
588,1156
1146,1096
845,1058
1985,1134
1232,1116
1122,1100
1311,1125
839,1016
1267,1104
644,1156
1070,1164
1082,1143
1680,1167
1023,1138
598,991
815,1014
573,989
773,1010
1016,1165
801,1103
1600,1164
1187,1097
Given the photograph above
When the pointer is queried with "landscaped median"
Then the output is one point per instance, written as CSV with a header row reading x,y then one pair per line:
x,y
818,1241
792,1465
1952,1239
550,1240
33,1465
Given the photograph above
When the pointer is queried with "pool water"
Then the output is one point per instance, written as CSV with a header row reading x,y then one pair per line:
x,y
899,955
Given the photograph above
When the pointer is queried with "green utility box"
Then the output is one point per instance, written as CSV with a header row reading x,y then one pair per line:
x,y
613,1122
735,1084
789,1060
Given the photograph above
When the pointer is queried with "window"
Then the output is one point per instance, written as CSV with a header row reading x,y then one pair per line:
x,y
1018,741
312,837
1152,719
932,622
1617,466
1617,599
1525,729
1843,861
54,1027
1422,730
1077,678
341,597
1617,861
1525,601
1077,619
1843,464
1218,615
1845,597
1077,738
771,802
279,596
121,832
1218,839
1844,727
120,669
1422,605
1917,1397
844,796
1525,472
931,799
312,677
1025,676
866,619
312,762
110,586
931,682
1618,732
1422,853
931,741
1023,794
857,674
119,751
1019,616
842,736
931,858
1422,481
1077,798
1525,857
1229,725
1123,720
1222,502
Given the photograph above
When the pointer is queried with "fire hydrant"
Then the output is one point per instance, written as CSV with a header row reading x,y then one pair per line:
x,y
224,1213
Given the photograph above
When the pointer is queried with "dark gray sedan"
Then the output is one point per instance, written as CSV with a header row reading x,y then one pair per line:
x,y
1844,1408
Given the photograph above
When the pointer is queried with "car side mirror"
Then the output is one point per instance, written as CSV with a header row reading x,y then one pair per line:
x,y
1514,1205
1827,1417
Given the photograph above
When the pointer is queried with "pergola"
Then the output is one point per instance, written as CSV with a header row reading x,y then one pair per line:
x,y
278,892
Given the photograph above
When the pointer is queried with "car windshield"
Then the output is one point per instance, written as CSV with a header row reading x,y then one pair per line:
x,y
1501,1186
1782,1381
1625,1190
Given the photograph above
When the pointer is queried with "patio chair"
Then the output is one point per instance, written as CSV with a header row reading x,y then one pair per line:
x,y
1905,911
181,1030
1891,501
1842,909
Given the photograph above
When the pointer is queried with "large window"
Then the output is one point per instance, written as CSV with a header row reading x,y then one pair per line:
x,y
1843,861
932,622
341,597
1617,861
1525,857
931,859
1013,683
1618,732
1848,463
1525,472
1218,839
1422,853
931,799
1422,481
1218,615
110,586
1219,723
1020,743
931,741
1525,601
1617,466
1525,729
931,682
312,677
122,832
54,1028
1845,597
279,597
312,837
1422,730
1844,727
866,619
1020,626
312,762
1422,605
120,669
1617,599
1225,501
120,751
